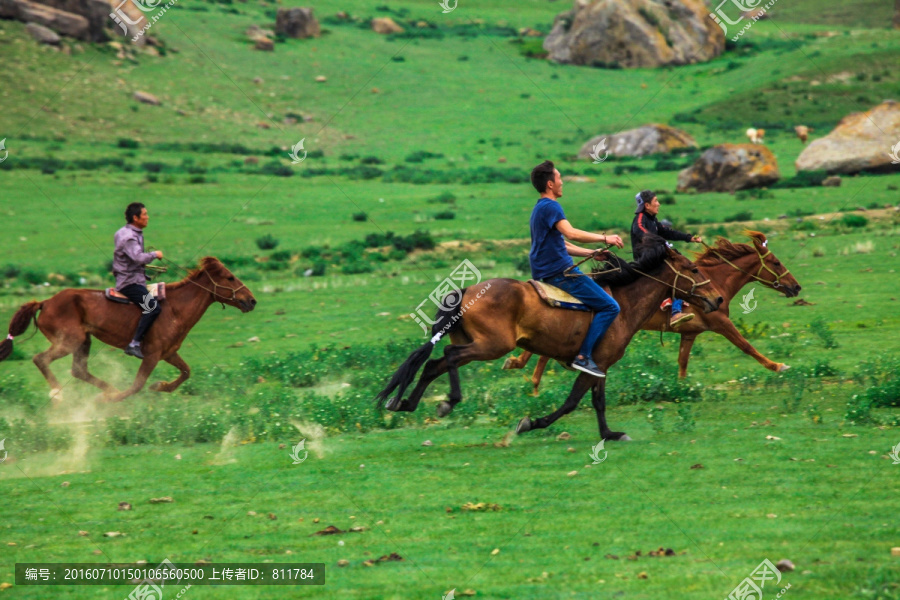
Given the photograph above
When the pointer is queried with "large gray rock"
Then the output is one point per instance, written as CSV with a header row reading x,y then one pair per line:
x,y
860,142
63,23
297,22
730,167
95,11
636,33
42,35
648,139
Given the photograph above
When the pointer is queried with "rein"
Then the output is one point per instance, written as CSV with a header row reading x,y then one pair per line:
x,y
762,265
674,285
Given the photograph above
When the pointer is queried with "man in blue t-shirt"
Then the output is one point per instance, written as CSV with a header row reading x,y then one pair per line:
x,y
551,255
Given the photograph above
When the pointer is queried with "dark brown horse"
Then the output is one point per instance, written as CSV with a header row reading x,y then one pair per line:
x,y
71,317
495,316
729,267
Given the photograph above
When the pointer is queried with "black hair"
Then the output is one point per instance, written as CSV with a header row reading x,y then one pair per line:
x,y
647,196
541,175
133,210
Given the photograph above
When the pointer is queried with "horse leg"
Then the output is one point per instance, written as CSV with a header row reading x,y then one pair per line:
x,y
519,362
598,399
582,384
80,367
147,365
538,373
684,352
43,360
184,372
725,327
455,356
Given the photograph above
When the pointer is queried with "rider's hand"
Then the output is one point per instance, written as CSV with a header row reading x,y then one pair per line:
x,y
159,254
697,239
615,240
600,255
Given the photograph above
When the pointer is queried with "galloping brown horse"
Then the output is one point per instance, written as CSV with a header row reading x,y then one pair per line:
x,y
71,317
495,316
729,267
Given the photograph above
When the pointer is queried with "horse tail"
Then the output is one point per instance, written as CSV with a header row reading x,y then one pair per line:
x,y
18,325
446,320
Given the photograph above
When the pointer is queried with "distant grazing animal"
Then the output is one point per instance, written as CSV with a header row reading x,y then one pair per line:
x,y
803,132
756,135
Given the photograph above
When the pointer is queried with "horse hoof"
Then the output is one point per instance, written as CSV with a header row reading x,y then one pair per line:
x,y
783,367
625,438
444,409
510,363
56,395
523,426
393,404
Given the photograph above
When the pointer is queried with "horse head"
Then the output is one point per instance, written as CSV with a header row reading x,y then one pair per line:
x,y
223,285
771,272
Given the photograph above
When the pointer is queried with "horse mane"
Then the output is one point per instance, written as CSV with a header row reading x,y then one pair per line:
x,y
654,251
729,250
207,262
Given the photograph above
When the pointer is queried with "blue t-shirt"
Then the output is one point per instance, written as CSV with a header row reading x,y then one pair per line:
x,y
548,248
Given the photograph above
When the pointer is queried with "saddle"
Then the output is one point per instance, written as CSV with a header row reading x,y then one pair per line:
x,y
556,297
157,290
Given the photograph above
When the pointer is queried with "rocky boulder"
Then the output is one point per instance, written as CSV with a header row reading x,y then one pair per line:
x,y
730,167
297,22
860,142
42,35
63,23
649,139
638,33
385,26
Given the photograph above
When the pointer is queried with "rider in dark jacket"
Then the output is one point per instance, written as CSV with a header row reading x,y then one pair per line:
x,y
645,222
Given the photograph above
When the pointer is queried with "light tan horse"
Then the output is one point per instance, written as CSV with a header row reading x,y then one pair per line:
x,y
70,318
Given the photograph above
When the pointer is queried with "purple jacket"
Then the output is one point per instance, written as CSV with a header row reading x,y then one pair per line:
x,y
129,258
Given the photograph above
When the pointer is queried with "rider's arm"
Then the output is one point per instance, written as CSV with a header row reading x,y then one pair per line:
x,y
574,250
133,249
579,235
671,234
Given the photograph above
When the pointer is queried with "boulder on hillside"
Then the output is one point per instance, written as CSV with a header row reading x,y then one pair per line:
x,y
860,142
638,33
297,22
730,167
42,35
95,11
63,23
263,43
385,26
648,139
146,98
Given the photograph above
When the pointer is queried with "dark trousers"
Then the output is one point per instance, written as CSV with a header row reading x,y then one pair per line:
x,y
139,295
591,294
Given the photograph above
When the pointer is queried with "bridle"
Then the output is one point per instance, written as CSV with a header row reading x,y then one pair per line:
x,y
216,285
762,266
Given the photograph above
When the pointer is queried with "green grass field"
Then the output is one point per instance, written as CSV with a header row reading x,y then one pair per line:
x,y
437,133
